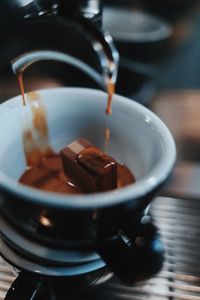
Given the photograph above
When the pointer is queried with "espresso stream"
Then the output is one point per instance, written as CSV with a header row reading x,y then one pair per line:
x,y
21,86
44,167
111,91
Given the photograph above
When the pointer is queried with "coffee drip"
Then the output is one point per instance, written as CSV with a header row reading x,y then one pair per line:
x,y
111,91
21,87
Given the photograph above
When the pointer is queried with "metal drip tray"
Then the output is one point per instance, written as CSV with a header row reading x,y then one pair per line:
x,y
179,223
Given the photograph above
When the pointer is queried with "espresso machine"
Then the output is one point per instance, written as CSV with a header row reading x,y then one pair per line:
x,y
59,26
48,266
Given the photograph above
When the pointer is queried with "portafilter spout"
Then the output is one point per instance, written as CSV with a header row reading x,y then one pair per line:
x,y
102,44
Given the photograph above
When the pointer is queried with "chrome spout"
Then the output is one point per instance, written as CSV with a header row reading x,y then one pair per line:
x,y
24,61
103,45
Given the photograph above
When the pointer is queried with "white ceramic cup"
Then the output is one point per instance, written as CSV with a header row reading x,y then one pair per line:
x,y
138,138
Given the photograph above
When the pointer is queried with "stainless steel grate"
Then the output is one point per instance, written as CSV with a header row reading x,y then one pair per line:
x,y
179,222
6,278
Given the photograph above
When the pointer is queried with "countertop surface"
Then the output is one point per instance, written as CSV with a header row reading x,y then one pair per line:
x,y
179,279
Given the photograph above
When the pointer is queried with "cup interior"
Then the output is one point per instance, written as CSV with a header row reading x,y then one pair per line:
x,y
138,138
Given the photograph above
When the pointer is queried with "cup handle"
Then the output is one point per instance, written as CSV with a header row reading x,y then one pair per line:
x,y
133,256
29,287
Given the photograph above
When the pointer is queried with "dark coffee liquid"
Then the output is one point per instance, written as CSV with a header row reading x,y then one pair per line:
x,y
49,176
107,138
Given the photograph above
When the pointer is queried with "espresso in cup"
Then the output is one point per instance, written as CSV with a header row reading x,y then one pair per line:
x,y
79,167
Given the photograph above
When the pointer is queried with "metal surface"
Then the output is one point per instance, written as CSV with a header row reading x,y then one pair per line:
x,y
179,279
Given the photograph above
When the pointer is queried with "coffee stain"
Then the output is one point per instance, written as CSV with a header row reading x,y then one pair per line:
x,y
36,136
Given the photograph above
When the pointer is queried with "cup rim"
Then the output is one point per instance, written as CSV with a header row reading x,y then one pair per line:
x,y
139,189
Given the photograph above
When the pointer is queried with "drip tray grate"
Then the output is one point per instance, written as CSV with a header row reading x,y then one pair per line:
x,y
179,223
